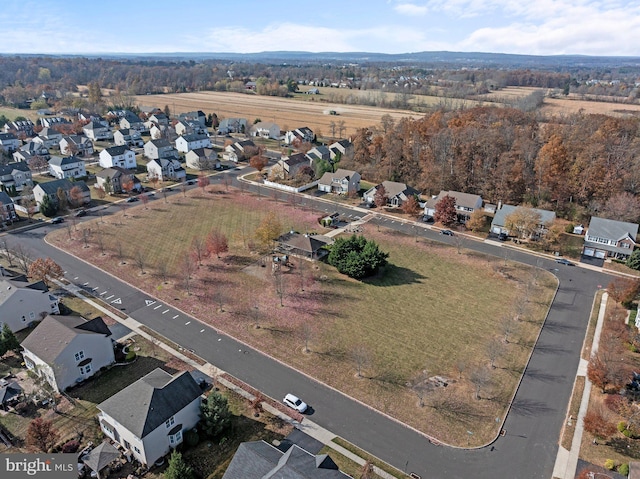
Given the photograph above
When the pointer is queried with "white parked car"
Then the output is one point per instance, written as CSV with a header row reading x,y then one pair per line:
x,y
294,402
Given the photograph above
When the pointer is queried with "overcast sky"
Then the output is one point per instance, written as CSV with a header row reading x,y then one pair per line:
x,y
538,27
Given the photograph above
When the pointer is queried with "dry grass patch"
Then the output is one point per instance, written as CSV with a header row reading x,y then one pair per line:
x,y
432,309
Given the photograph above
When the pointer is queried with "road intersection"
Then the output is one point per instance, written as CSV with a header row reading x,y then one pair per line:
x,y
528,448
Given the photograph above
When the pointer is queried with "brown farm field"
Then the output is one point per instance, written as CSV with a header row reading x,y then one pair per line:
x,y
287,113
434,311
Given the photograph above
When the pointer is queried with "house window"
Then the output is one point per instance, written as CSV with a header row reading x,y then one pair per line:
x,y
79,355
175,438
135,448
85,369
32,315
625,245
170,422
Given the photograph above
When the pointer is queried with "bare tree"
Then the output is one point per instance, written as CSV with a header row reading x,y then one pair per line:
x,y
508,327
163,271
461,367
141,260
361,357
307,331
279,282
86,235
120,251
479,377
187,268
421,386
22,257
6,251
495,348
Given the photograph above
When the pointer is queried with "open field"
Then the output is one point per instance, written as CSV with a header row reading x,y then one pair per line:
x,y
287,113
433,309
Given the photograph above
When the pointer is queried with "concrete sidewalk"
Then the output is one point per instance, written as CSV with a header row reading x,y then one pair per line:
x,y
307,426
567,461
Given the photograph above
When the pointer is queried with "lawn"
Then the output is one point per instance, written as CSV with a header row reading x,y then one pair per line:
x,y
432,312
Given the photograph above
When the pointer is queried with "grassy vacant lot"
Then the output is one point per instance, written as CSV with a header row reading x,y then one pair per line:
x,y
432,312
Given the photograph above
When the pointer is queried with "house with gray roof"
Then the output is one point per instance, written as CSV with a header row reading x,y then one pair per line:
x,y
160,148
120,156
260,460
78,145
192,141
397,193
303,135
342,182
466,203
237,150
197,115
609,238
265,129
166,170
50,189
128,137
66,167
320,152
232,125
7,209
36,148
19,127
500,220
15,174
149,417
23,303
202,159
9,142
66,350
130,120
305,245
97,131
49,137
115,180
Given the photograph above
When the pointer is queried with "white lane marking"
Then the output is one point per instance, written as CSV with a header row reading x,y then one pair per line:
x,y
175,316
103,293
75,278
187,323
84,284
116,301
110,297
159,306
165,312
202,330
94,288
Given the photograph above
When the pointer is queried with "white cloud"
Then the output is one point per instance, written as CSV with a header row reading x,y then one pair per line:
x,y
411,9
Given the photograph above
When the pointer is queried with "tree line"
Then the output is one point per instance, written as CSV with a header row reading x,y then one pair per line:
x,y
578,165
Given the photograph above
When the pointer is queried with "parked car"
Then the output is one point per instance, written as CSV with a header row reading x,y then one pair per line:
x,y
132,199
565,262
57,220
503,236
80,213
294,402
191,182
446,232
427,219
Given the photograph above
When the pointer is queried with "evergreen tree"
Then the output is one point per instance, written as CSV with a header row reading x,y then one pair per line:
x,y
47,207
634,260
216,417
356,257
178,468
8,340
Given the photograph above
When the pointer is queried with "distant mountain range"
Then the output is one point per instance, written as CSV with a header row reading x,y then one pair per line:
x,y
434,59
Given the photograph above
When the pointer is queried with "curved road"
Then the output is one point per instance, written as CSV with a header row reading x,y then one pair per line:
x,y
527,450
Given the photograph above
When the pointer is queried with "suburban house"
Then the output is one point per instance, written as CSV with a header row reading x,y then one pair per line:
x,y
260,460
192,141
7,210
128,137
187,127
265,130
117,156
319,153
50,189
66,167
66,350
9,142
95,117
149,417
20,127
115,178
97,131
397,193
76,145
232,125
192,116
498,224
49,138
159,119
51,121
23,303
305,245
131,121
166,170
304,134
342,182
202,159
156,149
36,149
609,238
289,167
15,174
237,150
344,148
466,204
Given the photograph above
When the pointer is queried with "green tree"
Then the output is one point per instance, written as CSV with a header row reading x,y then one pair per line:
x,y
216,416
48,207
634,260
178,468
8,340
356,257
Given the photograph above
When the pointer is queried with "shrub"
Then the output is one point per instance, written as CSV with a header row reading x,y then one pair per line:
x,y
569,228
623,469
622,426
610,464
191,438
626,433
615,403
131,355
70,447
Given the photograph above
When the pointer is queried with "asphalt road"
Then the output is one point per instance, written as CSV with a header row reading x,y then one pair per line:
x,y
527,450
